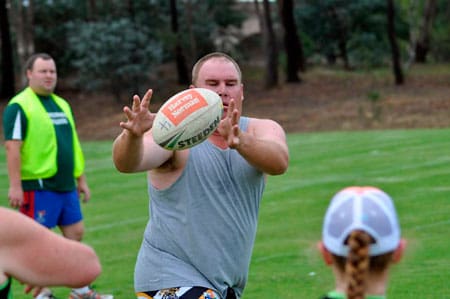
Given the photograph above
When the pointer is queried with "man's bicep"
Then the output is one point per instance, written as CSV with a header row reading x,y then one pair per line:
x,y
269,130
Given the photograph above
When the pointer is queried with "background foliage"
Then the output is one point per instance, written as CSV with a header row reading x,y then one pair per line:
x,y
95,48
114,45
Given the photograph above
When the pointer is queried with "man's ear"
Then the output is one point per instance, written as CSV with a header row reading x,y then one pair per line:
x,y
326,255
192,86
398,253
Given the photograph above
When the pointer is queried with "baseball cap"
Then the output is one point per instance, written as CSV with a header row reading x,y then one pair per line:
x,y
361,208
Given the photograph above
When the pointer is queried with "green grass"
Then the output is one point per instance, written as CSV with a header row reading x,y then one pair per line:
x,y
413,166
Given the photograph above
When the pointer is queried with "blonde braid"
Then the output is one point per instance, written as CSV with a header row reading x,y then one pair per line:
x,y
357,265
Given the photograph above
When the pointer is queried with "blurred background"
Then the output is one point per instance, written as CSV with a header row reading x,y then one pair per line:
x,y
312,65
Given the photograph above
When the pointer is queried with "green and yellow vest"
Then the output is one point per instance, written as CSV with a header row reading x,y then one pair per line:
x,y
39,152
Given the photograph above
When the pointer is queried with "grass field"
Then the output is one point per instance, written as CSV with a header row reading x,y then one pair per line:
x,y
413,166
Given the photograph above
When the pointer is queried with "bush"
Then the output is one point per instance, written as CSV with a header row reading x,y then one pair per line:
x,y
113,55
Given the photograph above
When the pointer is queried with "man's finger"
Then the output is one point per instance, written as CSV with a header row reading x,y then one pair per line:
x,y
230,108
136,103
146,99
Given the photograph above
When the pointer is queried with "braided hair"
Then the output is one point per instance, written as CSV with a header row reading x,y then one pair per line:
x,y
358,264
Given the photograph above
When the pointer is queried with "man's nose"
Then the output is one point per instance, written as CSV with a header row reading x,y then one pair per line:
x,y
221,89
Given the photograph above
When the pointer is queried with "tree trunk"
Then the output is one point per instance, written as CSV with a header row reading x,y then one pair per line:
x,y
192,41
7,89
91,10
29,29
393,40
260,16
23,16
16,16
342,37
136,85
413,32
423,42
271,75
295,59
182,70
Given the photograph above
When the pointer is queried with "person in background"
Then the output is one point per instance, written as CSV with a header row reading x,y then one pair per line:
x,y
204,200
45,159
37,257
360,240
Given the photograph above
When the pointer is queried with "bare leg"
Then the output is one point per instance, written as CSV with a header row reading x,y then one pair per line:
x,y
74,231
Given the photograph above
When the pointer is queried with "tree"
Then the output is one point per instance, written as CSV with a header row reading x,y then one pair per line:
x,y
23,14
328,24
104,61
295,59
190,28
91,14
180,59
208,26
342,33
423,42
353,31
7,86
271,47
440,47
393,40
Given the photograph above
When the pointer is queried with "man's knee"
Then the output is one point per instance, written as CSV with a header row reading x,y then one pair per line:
x,y
73,231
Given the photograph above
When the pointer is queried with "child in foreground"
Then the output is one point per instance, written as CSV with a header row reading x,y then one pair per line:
x,y
360,240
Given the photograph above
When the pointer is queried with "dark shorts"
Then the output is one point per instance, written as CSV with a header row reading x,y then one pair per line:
x,y
52,209
183,293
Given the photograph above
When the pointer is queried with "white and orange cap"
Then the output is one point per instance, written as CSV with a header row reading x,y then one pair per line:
x,y
361,208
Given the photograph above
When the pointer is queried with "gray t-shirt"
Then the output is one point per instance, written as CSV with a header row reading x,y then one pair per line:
x,y
202,228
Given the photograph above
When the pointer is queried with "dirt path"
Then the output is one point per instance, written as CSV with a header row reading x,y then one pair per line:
x,y
324,101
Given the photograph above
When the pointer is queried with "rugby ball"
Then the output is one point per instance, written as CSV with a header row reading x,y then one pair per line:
x,y
187,118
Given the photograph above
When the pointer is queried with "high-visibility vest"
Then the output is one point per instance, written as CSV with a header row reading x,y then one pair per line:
x,y
39,148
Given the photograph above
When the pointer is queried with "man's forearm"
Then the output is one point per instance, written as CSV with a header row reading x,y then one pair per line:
x,y
127,152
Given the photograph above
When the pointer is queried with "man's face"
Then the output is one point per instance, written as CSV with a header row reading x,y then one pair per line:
x,y
42,77
221,76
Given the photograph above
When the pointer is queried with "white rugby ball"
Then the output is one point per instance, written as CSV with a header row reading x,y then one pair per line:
x,y
187,118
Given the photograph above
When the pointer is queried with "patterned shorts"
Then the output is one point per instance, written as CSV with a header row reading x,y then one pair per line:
x,y
51,208
180,293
